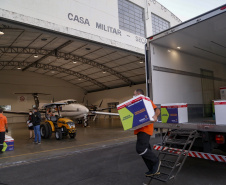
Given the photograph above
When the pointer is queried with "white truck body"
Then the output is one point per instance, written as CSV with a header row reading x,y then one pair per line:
x,y
187,64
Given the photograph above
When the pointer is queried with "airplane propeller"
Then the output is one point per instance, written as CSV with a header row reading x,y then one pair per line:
x,y
35,95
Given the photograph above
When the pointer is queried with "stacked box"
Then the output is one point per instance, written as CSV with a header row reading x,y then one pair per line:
x,y
220,112
10,143
223,93
136,112
174,113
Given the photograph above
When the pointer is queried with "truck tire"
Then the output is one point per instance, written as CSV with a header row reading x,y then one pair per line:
x,y
44,130
50,130
58,134
72,135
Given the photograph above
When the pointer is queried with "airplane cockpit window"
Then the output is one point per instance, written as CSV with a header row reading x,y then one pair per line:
x,y
71,102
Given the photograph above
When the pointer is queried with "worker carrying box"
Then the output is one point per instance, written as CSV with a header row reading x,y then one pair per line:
x,y
136,112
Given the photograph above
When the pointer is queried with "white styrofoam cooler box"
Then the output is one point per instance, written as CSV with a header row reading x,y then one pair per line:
x,y
223,93
135,113
10,143
220,112
174,113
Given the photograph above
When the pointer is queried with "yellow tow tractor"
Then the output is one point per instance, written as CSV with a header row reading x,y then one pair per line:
x,y
56,124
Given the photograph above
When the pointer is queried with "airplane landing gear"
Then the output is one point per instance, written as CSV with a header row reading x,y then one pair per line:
x,y
85,120
79,121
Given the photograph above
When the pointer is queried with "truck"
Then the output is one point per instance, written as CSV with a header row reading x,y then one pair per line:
x,y
187,64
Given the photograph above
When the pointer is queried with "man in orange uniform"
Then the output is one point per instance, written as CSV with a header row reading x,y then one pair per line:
x,y
3,129
143,146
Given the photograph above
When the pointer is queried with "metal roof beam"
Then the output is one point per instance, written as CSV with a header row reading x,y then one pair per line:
x,y
53,68
50,53
66,56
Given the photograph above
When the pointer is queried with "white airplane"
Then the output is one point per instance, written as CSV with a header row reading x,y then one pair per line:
x,y
74,110
71,109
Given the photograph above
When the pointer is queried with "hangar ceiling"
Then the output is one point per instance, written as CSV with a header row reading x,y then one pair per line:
x,y
91,66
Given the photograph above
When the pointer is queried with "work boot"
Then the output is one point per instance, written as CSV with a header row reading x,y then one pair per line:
x,y
155,170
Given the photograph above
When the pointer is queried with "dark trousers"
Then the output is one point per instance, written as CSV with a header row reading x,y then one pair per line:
x,y
2,139
143,148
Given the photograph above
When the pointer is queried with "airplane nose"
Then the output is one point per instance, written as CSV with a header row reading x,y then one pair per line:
x,y
87,110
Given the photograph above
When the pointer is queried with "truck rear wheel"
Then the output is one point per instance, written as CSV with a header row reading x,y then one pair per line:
x,y
44,129
58,134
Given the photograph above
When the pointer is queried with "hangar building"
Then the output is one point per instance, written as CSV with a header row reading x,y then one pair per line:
x,y
90,50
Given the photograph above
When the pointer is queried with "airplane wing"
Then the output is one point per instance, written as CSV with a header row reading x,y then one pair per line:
x,y
105,113
19,112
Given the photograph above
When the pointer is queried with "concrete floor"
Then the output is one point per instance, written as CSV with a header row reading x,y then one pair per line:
x,y
101,133
100,155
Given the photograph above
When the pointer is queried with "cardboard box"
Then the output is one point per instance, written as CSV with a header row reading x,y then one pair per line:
x,y
223,93
10,143
136,112
174,113
220,112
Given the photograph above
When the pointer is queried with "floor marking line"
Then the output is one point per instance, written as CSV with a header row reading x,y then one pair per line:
x,y
64,148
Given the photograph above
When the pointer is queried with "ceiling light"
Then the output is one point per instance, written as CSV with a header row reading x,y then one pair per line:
x,y
19,68
74,62
79,79
88,49
104,71
178,47
1,33
35,56
169,50
141,62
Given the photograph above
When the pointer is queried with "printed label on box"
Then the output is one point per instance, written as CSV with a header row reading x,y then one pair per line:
x,y
169,115
134,114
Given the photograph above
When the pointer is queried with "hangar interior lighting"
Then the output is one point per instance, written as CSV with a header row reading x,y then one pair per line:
x,y
74,62
19,68
35,56
178,47
104,71
141,62
1,32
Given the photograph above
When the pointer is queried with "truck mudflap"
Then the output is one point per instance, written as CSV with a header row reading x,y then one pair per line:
x,y
207,156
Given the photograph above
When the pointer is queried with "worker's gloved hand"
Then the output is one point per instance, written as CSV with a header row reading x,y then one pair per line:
x,y
6,130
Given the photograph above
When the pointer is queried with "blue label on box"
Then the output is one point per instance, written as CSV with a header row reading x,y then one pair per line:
x,y
140,113
169,115
10,146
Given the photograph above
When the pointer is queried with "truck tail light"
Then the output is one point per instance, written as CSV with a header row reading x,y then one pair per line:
x,y
224,7
219,139
151,38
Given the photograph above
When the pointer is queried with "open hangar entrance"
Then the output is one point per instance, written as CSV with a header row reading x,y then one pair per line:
x,y
38,60
42,61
